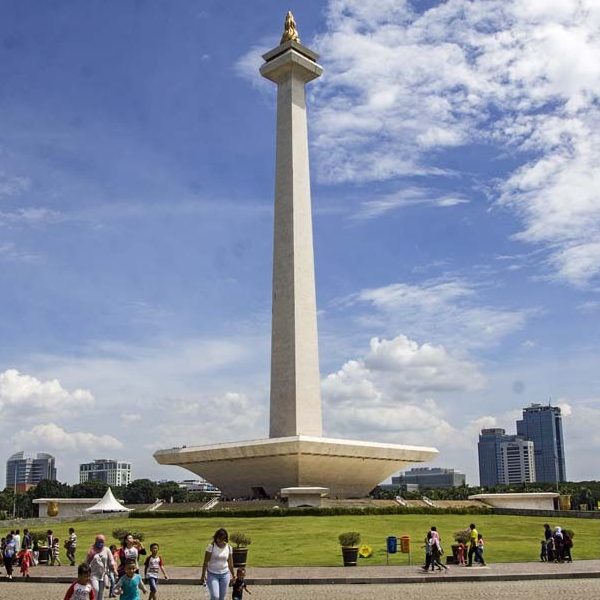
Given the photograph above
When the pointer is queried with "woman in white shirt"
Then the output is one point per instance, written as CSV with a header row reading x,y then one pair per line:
x,y
101,562
217,570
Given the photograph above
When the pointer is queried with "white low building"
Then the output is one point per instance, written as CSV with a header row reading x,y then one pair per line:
x,y
524,501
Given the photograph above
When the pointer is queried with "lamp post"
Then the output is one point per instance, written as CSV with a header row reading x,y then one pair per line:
x,y
15,493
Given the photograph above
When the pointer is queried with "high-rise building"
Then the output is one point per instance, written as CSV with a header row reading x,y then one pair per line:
x,y
517,464
24,472
504,459
112,472
430,478
543,426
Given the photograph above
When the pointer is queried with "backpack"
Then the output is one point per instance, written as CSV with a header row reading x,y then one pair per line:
x,y
9,550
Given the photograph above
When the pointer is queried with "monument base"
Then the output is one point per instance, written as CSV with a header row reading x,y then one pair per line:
x,y
260,468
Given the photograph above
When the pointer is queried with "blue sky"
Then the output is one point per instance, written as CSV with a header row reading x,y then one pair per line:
x,y
455,154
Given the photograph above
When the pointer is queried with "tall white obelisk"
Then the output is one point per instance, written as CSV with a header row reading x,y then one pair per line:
x,y
295,379
295,454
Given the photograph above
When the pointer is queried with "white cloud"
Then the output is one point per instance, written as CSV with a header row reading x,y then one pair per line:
x,y
28,396
247,66
193,420
10,252
397,367
389,391
13,186
53,437
30,216
448,311
401,86
411,196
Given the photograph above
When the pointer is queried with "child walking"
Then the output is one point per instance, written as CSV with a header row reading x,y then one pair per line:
x,y
239,585
480,546
152,567
81,588
25,559
461,554
55,552
543,551
131,583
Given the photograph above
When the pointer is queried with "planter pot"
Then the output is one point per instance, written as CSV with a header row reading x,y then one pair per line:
x,y
44,556
240,556
453,560
350,556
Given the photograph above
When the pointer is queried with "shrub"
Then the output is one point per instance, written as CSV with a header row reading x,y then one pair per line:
x,y
119,533
349,539
38,536
241,540
463,536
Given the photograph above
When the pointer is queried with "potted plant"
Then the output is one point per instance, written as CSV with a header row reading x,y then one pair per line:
x,y
460,537
240,551
349,542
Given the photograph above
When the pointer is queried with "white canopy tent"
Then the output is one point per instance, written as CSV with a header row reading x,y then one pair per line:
x,y
108,504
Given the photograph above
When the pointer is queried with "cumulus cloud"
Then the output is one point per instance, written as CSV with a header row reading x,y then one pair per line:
x,y
402,86
27,395
53,437
389,391
397,367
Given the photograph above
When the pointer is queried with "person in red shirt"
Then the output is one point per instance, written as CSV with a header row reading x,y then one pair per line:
x,y
81,589
25,558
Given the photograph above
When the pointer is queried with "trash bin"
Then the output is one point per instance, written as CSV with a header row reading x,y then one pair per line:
x,y
392,544
405,544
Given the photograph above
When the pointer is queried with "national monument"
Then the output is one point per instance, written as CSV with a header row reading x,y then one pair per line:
x,y
295,454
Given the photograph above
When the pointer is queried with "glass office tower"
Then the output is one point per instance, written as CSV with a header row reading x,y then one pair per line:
x,y
543,426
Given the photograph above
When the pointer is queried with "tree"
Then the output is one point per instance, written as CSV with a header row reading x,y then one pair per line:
x,y
89,489
48,488
140,491
170,489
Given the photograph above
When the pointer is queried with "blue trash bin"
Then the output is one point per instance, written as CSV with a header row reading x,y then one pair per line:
x,y
392,544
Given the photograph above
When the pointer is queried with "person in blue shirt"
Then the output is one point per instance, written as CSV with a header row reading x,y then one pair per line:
x,y
131,583
8,554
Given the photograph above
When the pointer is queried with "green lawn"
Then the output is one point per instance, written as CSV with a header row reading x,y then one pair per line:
x,y
281,541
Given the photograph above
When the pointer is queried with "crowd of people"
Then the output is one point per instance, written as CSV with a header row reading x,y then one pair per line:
x,y
115,571
556,545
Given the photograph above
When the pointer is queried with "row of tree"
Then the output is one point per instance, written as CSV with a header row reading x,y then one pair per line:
x,y
140,491
582,492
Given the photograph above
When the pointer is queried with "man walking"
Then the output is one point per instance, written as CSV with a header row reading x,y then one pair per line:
x,y
71,546
473,549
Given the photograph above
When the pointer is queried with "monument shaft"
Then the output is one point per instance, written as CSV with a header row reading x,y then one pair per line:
x,y
295,380
295,455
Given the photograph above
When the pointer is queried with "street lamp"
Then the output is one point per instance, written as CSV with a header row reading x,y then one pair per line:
x,y
15,492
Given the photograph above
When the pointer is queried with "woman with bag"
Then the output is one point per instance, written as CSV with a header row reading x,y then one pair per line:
x,y
217,569
101,562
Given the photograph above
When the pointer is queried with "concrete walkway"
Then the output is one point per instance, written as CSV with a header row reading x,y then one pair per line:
x,y
363,575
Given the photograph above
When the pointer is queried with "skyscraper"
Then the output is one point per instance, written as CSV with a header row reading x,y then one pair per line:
x,y
504,459
24,472
109,471
543,426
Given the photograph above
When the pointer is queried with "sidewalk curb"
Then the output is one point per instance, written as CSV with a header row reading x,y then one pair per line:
x,y
408,579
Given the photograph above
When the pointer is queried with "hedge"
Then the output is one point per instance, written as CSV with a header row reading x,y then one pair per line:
x,y
311,512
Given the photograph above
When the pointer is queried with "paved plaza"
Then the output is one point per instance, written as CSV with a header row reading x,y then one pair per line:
x,y
565,589
580,579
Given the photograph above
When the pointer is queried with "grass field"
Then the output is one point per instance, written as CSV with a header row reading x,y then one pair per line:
x,y
312,541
